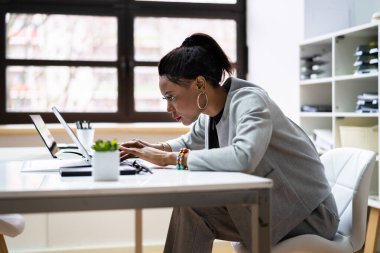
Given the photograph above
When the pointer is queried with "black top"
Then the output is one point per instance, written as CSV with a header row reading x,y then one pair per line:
x,y
213,141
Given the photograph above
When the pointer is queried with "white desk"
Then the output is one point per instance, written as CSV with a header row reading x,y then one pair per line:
x,y
48,192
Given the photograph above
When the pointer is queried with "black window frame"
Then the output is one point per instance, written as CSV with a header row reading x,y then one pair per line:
x,y
125,11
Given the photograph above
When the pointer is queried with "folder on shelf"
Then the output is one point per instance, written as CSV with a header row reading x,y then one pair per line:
x,y
367,103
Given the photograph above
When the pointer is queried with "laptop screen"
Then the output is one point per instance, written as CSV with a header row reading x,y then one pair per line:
x,y
70,132
45,134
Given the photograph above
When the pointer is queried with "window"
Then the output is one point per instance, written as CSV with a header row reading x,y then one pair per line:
x,y
97,60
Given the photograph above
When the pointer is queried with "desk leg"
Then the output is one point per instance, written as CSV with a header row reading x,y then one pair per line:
x,y
3,245
138,231
372,230
255,228
260,230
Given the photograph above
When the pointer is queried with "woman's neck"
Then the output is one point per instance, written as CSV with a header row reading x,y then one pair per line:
x,y
217,98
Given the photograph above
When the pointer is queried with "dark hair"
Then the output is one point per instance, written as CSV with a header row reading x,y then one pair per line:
x,y
199,55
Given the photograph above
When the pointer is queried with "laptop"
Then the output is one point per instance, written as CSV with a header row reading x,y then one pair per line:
x,y
54,165
54,148
73,167
86,156
126,165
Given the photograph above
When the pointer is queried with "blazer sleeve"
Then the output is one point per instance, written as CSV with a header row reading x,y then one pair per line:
x,y
250,128
194,139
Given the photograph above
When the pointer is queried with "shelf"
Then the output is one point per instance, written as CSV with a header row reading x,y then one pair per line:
x,y
339,114
339,85
316,114
356,115
355,77
362,30
320,40
326,38
325,80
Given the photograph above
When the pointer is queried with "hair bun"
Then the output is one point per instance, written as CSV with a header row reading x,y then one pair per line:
x,y
188,42
201,40
198,55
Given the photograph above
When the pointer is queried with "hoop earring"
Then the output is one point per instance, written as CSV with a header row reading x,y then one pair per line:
x,y
199,95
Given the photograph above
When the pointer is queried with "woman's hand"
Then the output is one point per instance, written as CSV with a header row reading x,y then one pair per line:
x,y
134,143
150,154
153,153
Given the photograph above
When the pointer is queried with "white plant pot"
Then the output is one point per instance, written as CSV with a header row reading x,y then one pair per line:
x,y
105,165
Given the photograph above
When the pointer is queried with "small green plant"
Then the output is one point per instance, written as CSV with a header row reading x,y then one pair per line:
x,y
102,146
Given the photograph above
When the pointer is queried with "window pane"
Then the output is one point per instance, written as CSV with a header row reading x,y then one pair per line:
x,y
146,90
61,37
72,89
154,37
195,1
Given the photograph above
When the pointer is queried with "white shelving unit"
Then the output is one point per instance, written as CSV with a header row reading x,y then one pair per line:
x,y
338,86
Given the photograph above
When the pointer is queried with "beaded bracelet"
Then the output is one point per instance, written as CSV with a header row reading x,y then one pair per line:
x,y
179,161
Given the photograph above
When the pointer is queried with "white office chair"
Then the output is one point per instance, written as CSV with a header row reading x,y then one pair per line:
x,y
10,225
348,171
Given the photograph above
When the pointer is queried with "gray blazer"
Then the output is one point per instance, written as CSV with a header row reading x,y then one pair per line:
x,y
255,137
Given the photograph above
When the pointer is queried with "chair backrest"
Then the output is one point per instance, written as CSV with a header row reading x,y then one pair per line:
x,y
11,224
349,171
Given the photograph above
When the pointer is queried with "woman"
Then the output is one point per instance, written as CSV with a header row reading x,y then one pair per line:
x,y
236,127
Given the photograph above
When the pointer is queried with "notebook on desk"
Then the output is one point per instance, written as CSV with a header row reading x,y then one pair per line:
x,y
77,172
71,167
52,165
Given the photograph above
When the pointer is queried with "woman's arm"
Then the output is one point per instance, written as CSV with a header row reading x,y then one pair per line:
x,y
250,131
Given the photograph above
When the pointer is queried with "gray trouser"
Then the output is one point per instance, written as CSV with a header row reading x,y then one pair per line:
x,y
193,230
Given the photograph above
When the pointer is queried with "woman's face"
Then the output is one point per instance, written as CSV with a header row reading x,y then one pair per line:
x,y
181,100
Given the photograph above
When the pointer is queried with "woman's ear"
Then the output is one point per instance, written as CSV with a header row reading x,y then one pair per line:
x,y
200,82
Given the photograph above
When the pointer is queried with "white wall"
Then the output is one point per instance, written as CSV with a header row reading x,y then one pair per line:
x,y
324,16
362,11
275,29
